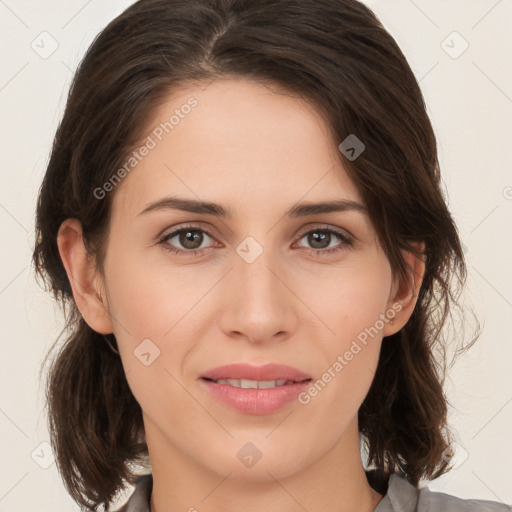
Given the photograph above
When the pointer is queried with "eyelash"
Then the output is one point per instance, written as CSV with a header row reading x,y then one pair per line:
x,y
347,241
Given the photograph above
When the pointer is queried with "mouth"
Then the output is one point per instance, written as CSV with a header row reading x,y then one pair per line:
x,y
255,397
256,384
255,390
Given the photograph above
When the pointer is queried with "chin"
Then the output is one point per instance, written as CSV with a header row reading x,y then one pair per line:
x,y
254,463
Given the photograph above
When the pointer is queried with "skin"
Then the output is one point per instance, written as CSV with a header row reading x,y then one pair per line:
x,y
259,152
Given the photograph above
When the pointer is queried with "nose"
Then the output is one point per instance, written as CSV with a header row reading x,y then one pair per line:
x,y
259,304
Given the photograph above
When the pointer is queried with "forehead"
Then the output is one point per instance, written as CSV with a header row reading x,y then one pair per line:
x,y
238,143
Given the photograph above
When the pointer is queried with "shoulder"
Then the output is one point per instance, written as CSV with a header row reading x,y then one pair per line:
x,y
430,501
402,496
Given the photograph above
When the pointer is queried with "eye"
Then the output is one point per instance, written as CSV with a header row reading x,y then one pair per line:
x,y
320,239
191,239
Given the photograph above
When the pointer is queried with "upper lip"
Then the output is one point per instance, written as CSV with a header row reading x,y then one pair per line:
x,y
261,373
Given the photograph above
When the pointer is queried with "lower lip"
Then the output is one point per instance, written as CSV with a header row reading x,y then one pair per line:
x,y
255,401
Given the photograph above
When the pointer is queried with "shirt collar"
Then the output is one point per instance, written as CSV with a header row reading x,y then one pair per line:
x,y
401,496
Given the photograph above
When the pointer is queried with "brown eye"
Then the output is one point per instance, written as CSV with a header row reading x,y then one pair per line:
x,y
188,240
320,240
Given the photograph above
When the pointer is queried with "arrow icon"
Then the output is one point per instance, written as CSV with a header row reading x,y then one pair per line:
x,y
146,352
249,455
352,147
454,45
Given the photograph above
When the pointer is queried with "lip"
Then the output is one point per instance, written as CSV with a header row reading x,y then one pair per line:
x,y
269,371
255,401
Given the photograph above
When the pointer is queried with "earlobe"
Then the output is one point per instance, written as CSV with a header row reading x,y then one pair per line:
x,y
86,284
403,301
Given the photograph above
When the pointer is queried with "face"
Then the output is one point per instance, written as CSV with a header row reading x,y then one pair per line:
x,y
258,285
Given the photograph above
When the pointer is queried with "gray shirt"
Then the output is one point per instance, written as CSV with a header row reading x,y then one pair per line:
x,y
400,496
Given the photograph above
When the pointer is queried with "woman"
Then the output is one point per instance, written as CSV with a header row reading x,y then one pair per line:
x,y
243,213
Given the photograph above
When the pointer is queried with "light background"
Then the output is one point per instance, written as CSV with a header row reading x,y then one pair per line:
x,y
469,99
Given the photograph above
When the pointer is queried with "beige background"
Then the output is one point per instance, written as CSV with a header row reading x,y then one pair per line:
x,y
469,97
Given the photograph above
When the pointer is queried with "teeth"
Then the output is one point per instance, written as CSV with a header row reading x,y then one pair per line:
x,y
253,384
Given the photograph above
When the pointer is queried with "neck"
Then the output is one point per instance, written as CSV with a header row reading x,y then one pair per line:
x,y
335,482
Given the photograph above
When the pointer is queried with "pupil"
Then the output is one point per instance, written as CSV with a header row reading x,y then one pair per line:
x,y
315,237
188,238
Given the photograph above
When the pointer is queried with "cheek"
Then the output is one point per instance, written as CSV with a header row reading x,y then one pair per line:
x,y
147,297
354,314
353,300
149,310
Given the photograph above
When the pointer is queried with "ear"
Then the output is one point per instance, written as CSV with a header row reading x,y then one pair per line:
x,y
86,283
405,295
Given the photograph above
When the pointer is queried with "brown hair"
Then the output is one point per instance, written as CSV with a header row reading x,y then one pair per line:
x,y
334,53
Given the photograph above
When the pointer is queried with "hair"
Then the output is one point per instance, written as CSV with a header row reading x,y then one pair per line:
x,y
333,53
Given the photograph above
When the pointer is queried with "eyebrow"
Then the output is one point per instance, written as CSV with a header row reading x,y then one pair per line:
x,y
217,210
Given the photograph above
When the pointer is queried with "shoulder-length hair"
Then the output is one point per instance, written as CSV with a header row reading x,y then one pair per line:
x,y
334,53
